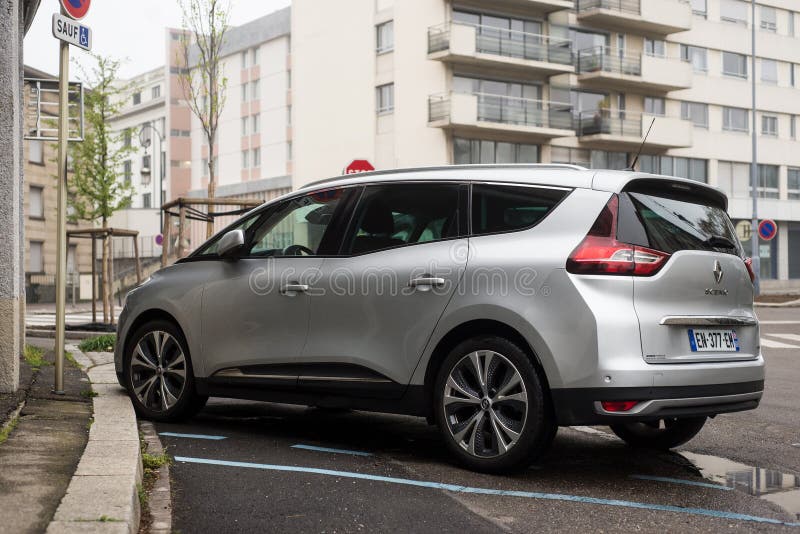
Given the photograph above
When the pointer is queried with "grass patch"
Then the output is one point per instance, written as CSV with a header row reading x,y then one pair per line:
x,y
88,393
71,359
104,343
6,430
105,519
142,495
153,462
35,357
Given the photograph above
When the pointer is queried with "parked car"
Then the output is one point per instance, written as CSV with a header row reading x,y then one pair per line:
x,y
499,302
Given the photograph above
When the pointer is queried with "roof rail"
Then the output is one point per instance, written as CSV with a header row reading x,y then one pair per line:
x,y
561,166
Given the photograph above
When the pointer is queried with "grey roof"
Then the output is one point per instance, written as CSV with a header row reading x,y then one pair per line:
x,y
255,32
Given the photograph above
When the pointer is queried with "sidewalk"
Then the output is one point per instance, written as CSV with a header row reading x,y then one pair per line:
x,y
70,463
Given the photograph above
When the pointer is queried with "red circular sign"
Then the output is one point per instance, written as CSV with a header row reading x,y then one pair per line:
x,y
358,165
767,229
76,9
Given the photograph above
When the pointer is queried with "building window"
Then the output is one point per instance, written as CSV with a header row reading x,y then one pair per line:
x,y
699,7
126,137
256,158
155,91
695,112
385,98
769,125
695,55
793,183
204,166
769,71
691,168
482,151
147,200
735,119
790,24
654,105
792,81
594,159
127,171
793,126
244,93
35,257
734,64
254,55
655,47
36,202
385,37
767,181
36,152
288,115
146,164
245,159
289,151
175,36
254,85
245,123
733,11
244,59
72,256
769,19
137,98
256,123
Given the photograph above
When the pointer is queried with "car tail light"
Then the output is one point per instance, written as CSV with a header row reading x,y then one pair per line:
x,y
748,262
601,253
618,406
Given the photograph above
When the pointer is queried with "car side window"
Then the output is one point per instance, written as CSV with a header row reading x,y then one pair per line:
x,y
505,208
392,215
244,224
296,227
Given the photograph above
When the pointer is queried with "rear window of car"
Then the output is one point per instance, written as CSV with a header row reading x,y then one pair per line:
x,y
506,208
671,225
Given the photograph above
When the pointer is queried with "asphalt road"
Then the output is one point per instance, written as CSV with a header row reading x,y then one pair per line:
x,y
392,473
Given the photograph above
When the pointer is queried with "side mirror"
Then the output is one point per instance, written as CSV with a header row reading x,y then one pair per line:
x,y
231,243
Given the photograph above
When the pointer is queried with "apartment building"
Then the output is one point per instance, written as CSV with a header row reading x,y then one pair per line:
x,y
423,82
40,201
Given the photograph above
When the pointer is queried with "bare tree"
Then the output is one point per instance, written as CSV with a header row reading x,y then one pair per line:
x,y
202,80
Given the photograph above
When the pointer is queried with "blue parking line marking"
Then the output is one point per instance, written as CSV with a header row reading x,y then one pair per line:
x,y
192,436
328,449
488,491
682,481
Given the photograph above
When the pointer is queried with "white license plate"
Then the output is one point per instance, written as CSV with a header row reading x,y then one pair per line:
x,y
713,340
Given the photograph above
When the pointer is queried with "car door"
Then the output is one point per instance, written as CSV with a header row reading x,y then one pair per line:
x,y
377,302
255,308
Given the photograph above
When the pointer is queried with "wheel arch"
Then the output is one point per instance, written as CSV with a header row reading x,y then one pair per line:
x,y
149,315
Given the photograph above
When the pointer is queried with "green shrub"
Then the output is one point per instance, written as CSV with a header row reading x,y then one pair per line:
x,y
35,357
104,343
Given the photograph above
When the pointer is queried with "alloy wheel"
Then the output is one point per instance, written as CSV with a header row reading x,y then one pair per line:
x,y
485,403
158,371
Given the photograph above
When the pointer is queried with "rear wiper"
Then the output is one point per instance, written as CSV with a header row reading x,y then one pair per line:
x,y
718,241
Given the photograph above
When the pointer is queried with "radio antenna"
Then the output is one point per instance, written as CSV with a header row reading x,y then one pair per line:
x,y
638,152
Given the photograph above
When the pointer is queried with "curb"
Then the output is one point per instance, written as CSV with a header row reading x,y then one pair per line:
x,y
789,304
68,334
159,503
103,493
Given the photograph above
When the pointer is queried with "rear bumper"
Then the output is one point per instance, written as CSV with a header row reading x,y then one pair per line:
x,y
581,406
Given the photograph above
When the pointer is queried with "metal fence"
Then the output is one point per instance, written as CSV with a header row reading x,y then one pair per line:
x,y
607,121
624,6
601,58
508,110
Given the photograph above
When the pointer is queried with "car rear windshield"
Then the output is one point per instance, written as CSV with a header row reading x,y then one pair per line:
x,y
670,225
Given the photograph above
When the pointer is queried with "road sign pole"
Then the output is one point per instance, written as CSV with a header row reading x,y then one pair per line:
x,y
61,251
756,253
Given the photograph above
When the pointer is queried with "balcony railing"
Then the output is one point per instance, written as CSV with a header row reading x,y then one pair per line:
x,y
507,43
610,122
633,7
508,110
601,58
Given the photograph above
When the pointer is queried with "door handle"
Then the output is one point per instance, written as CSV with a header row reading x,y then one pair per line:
x,y
427,281
294,288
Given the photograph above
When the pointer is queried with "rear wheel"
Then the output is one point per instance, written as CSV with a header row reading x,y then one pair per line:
x,y
158,373
490,407
661,434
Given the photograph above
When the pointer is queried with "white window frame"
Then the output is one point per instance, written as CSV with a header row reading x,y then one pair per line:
x,y
732,15
652,100
727,115
770,21
36,151
686,113
769,125
255,127
38,266
742,58
245,126
245,159
384,37
36,191
244,59
256,159
769,66
384,98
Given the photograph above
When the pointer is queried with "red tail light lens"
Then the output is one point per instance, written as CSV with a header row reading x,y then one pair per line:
x,y
601,253
618,406
748,262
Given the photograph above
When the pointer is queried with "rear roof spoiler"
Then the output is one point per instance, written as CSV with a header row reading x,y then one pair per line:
x,y
685,190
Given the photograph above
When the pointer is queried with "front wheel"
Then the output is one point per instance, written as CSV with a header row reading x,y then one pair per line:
x,y
660,434
158,373
490,406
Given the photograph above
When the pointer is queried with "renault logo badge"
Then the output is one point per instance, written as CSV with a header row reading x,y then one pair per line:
x,y
717,271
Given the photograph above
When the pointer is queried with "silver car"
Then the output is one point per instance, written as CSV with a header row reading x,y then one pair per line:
x,y
499,302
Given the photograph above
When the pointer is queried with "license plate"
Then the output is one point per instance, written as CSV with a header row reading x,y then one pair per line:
x,y
713,340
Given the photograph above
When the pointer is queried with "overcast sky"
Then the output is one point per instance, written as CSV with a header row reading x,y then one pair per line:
x,y
132,31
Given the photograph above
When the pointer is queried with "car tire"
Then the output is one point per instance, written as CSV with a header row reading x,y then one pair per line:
x,y
491,407
662,434
158,375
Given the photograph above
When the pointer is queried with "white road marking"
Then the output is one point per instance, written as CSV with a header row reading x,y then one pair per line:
x,y
593,431
777,344
790,337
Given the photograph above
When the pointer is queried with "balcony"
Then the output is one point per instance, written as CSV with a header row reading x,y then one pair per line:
x,y
618,130
516,118
661,17
535,7
603,68
507,51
